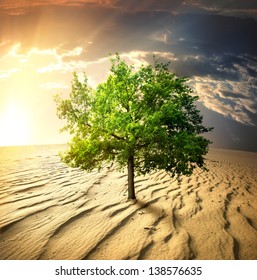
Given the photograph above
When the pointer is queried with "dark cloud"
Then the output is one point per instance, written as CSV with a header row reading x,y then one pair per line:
x,y
133,6
212,33
213,43
230,7
230,94
242,9
223,5
228,133
246,8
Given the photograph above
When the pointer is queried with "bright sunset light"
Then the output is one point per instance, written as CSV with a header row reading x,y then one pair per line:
x,y
43,42
14,126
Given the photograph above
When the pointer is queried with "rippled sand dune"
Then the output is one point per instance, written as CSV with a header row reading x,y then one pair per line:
x,y
49,211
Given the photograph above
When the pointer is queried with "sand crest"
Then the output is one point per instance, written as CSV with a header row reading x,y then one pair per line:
x,y
54,212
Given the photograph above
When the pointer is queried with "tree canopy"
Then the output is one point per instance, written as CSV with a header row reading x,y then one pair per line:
x,y
145,119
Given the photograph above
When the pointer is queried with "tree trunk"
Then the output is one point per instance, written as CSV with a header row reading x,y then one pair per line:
x,y
131,186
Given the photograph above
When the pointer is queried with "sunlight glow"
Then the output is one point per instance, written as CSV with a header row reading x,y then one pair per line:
x,y
14,126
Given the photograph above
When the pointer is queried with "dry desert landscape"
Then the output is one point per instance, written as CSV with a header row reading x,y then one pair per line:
x,y
50,211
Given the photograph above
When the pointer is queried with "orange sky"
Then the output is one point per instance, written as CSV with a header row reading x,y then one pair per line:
x,y
29,79
43,42
35,64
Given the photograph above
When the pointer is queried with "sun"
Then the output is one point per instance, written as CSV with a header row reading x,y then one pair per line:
x,y
14,126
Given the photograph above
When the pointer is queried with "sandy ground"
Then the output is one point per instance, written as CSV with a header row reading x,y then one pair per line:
x,y
70,214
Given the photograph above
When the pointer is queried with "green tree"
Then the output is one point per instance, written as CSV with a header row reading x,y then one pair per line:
x,y
145,120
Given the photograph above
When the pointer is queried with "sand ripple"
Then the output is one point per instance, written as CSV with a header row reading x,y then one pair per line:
x,y
49,211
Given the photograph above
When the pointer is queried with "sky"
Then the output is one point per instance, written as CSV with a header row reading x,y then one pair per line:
x,y
213,43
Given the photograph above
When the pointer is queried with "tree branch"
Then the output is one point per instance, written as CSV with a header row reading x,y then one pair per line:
x,y
117,137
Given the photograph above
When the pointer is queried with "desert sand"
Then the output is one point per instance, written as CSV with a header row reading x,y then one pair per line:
x,y
55,212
